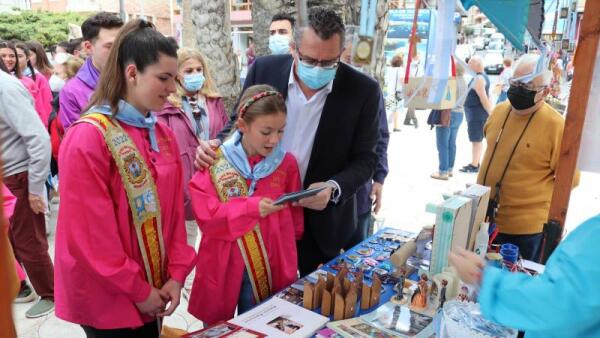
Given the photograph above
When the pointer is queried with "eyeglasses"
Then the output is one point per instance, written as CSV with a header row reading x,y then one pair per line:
x,y
525,85
311,63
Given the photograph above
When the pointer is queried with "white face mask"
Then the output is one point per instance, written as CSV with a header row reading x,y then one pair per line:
x,y
56,83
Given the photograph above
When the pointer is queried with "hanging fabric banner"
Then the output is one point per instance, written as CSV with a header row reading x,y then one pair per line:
x,y
444,45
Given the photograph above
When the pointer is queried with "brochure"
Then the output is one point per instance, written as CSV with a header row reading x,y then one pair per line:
x,y
279,318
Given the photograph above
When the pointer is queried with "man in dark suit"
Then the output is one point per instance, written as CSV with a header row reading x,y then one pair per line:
x,y
332,130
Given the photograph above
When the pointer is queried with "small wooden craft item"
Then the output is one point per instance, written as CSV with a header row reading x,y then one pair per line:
x,y
336,295
371,294
308,298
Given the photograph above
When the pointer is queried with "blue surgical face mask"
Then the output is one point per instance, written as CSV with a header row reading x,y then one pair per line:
x,y
193,82
315,77
279,44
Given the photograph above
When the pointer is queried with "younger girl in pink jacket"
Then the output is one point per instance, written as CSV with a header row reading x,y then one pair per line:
x,y
248,246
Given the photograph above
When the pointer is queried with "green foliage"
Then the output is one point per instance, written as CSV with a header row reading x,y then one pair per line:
x,y
46,27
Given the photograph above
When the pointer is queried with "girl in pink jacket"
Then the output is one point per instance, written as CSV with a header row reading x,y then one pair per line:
x,y
248,246
121,252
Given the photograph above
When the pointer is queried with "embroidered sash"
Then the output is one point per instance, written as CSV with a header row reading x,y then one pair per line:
x,y
141,194
230,184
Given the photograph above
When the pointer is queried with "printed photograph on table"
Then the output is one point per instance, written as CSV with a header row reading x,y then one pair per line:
x,y
285,325
292,295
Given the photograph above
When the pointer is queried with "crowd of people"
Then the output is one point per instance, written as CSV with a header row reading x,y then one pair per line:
x,y
150,163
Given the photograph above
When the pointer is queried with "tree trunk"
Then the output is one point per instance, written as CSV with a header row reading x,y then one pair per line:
x,y
188,29
213,38
349,10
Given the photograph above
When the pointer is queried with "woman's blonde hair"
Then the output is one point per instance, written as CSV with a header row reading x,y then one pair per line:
x,y
208,89
72,66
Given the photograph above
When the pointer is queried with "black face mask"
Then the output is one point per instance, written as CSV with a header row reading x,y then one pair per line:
x,y
521,98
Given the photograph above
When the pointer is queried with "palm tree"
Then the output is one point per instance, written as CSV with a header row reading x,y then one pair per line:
x,y
211,19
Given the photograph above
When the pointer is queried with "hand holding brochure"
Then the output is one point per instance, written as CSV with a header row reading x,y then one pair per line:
x,y
296,196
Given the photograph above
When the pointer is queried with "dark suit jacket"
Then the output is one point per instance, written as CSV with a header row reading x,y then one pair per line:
x,y
344,146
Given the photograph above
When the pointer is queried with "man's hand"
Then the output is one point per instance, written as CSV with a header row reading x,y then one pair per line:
x,y
376,192
172,289
266,207
37,203
468,265
205,153
154,304
320,200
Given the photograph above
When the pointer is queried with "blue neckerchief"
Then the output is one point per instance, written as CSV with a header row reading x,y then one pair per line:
x,y
235,154
131,116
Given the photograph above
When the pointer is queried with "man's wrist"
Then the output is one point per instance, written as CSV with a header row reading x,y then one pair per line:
x,y
336,191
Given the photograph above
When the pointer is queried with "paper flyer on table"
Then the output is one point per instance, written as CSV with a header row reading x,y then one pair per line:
x,y
279,318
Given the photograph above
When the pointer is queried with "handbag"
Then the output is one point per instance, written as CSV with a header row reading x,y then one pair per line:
x,y
439,118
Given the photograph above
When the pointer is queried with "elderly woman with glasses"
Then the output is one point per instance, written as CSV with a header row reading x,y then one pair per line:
x,y
523,139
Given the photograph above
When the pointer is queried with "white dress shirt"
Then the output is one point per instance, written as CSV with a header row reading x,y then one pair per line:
x,y
303,118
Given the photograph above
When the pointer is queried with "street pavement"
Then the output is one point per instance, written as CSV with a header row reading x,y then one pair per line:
x,y
412,158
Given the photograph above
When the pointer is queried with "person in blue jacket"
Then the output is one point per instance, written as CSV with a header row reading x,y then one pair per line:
x,y
562,302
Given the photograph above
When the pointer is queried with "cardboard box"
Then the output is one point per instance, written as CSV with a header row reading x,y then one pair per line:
x,y
452,228
479,196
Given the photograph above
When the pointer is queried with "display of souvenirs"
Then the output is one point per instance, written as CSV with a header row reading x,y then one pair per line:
x,y
338,295
464,320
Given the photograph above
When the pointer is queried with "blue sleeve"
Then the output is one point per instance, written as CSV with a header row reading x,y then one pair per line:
x,y
567,294
382,145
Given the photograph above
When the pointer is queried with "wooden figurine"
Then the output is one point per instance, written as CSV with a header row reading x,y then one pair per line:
x,y
327,303
443,293
319,287
338,308
400,286
419,299
330,280
375,291
350,304
309,293
365,299
346,285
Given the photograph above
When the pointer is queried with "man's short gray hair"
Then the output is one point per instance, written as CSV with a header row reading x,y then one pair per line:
x,y
530,61
325,22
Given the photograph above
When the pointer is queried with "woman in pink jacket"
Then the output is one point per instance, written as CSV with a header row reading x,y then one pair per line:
x,y
121,251
43,97
233,204
195,112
